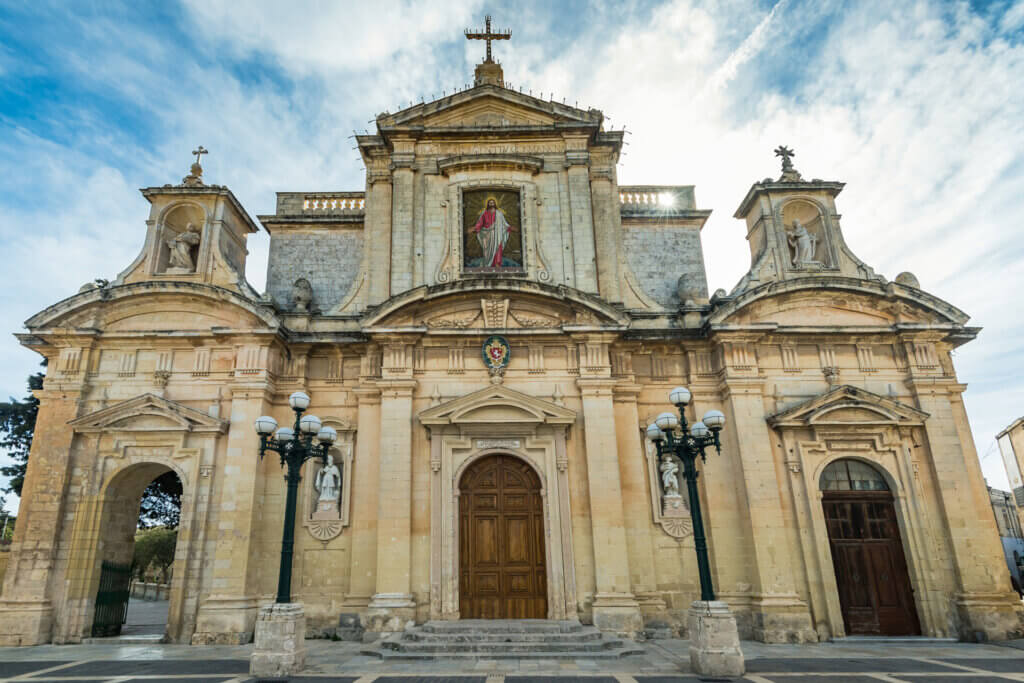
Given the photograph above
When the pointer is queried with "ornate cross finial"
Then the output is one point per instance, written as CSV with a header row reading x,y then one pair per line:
x,y
789,174
195,176
487,35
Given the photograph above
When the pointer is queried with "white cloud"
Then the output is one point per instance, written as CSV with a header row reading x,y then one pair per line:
x,y
917,107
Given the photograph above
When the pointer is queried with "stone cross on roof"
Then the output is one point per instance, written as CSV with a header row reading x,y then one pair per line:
x,y
789,174
195,176
487,35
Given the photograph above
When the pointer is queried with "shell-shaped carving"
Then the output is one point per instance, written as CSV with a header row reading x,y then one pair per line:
x,y
677,527
325,530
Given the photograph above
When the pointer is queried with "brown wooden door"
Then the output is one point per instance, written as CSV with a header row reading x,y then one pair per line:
x,y
871,571
501,541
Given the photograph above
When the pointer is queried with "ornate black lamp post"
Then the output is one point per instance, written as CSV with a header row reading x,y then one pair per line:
x,y
295,446
686,445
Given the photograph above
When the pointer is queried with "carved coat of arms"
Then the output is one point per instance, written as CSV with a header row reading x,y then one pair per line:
x,y
496,353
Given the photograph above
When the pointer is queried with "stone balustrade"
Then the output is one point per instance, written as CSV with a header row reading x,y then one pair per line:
x,y
321,203
656,197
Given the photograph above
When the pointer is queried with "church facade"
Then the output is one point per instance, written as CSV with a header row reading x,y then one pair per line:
x,y
490,325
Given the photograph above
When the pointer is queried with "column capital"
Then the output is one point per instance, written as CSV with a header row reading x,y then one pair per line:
x,y
396,388
596,386
626,392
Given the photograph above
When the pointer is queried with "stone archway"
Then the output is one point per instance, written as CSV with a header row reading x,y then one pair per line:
x,y
502,568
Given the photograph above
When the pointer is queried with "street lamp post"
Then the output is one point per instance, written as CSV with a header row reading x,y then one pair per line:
x,y
714,639
295,446
686,446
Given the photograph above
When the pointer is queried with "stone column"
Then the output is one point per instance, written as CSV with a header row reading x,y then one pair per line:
x,y
607,231
228,615
987,607
26,610
636,496
615,607
378,231
401,217
778,613
392,605
365,482
581,213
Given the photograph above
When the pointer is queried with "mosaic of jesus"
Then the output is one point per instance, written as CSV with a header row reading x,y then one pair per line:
x,y
492,230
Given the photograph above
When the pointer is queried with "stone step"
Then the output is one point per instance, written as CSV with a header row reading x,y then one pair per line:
x,y
393,655
501,626
502,637
492,648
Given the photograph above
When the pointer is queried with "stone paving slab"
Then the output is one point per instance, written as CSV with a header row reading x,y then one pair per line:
x,y
155,667
8,668
844,665
999,665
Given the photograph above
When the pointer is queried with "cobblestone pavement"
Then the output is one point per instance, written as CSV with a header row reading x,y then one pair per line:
x,y
664,661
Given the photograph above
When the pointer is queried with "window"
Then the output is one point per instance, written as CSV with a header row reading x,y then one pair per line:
x,y
852,475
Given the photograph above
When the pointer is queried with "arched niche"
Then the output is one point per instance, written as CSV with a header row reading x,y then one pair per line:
x,y
177,222
811,217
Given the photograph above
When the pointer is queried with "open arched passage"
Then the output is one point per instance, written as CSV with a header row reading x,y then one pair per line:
x,y
138,538
867,552
502,571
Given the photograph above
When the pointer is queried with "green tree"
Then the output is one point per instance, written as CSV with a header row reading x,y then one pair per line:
x,y
154,550
161,502
17,425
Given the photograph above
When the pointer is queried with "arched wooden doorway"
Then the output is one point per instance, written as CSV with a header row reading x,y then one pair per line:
x,y
867,551
502,571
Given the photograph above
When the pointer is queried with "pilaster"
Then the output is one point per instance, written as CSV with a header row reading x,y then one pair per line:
x,y
635,507
26,609
392,605
987,607
777,613
581,212
402,215
378,229
228,615
615,607
365,483
607,230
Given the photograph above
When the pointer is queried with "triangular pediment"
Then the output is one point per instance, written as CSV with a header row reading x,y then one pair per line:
x,y
489,106
848,406
148,413
497,405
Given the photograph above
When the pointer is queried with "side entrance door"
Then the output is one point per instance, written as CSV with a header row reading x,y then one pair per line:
x,y
871,571
502,573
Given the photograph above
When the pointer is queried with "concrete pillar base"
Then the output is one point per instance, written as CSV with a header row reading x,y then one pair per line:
x,y
390,613
990,616
714,640
618,613
280,648
225,621
25,623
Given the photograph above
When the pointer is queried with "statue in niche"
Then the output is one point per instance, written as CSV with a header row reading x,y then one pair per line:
x,y
803,244
669,477
181,245
328,482
302,295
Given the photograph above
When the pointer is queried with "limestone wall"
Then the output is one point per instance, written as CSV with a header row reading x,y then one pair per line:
x,y
328,257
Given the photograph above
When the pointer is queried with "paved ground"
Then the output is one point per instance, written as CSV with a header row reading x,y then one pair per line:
x,y
145,617
664,661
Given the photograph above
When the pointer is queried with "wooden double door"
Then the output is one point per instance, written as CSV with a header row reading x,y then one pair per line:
x,y
871,570
502,572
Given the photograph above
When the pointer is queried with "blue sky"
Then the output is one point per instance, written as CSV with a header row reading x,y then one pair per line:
x,y
918,106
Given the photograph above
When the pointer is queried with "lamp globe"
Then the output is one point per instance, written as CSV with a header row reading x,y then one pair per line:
x,y
299,400
265,425
714,419
679,396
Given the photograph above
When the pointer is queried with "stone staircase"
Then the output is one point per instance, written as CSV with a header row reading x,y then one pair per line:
x,y
502,639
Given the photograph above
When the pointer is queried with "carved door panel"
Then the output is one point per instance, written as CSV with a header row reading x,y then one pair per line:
x,y
871,571
502,573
